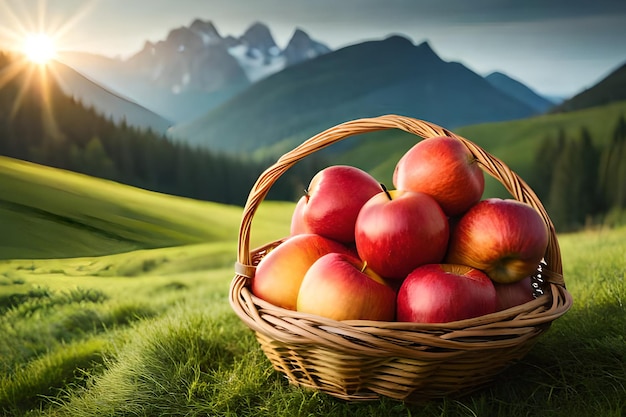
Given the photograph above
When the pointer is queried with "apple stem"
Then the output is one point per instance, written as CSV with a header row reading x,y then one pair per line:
x,y
385,190
306,194
364,266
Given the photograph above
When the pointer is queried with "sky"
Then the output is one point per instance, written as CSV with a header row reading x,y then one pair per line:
x,y
556,47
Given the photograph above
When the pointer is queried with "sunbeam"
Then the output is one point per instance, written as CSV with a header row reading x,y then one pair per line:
x,y
36,38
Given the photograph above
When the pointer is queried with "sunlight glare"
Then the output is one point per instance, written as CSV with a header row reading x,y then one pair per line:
x,y
39,48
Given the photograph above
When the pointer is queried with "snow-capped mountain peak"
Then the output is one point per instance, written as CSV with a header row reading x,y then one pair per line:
x,y
198,57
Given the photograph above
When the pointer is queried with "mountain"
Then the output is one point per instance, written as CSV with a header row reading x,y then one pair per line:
x,y
199,58
105,102
187,60
195,68
519,91
367,79
610,89
173,105
302,48
256,52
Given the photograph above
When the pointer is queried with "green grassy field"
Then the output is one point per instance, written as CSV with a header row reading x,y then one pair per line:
x,y
51,213
147,330
83,339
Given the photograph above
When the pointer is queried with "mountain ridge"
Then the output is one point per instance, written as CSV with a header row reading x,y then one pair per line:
x,y
195,68
105,101
609,89
281,110
522,92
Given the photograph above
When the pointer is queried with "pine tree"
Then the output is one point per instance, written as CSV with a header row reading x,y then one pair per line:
x,y
612,170
619,164
96,160
589,198
566,201
543,164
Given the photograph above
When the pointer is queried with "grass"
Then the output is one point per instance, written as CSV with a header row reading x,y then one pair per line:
x,y
51,213
167,343
149,332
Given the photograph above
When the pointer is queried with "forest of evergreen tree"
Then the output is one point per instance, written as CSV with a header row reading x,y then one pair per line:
x,y
581,184
38,123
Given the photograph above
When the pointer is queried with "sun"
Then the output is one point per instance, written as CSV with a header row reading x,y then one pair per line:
x,y
30,33
39,48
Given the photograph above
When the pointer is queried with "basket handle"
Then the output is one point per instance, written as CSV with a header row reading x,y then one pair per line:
x,y
490,164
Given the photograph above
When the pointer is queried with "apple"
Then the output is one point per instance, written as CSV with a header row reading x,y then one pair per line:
x,y
396,231
440,293
297,226
332,202
341,287
503,237
444,168
514,294
280,272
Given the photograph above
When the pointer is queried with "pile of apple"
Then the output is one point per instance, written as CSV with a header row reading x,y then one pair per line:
x,y
428,251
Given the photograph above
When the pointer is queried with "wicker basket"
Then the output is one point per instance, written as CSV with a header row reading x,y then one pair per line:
x,y
363,360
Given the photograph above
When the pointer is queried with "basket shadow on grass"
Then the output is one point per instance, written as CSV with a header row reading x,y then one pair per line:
x,y
575,368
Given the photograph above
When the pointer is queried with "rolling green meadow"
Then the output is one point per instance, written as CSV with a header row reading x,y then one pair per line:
x,y
118,306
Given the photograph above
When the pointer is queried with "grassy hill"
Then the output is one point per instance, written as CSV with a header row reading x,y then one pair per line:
x,y
52,213
514,142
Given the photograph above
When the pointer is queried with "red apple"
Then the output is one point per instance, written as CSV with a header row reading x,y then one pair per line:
x,y
503,237
397,231
280,272
298,227
444,168
514,294
440,293
342,287
332,202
